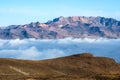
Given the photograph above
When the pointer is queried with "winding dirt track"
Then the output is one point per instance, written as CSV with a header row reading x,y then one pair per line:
x,y
19,70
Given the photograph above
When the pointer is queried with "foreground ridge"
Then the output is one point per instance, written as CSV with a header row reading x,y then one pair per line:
x,y
75,67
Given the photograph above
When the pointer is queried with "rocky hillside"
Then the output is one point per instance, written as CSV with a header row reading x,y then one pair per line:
x,y
62,27
76,67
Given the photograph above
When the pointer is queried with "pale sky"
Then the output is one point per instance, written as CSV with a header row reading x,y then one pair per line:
x,y
15,12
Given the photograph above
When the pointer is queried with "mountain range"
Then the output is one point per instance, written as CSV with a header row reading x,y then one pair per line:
x,y
75,67
62,27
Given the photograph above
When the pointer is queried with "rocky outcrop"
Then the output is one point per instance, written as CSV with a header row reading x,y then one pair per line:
x,y
62,27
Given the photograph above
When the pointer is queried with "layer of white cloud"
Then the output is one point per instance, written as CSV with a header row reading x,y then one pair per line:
x,y
45,49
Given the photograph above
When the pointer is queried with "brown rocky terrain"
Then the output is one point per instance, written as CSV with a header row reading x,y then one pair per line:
x,y
76,67
62,27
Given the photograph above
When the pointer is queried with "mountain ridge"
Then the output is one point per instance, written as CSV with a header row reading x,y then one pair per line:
x,y
62,27
74,67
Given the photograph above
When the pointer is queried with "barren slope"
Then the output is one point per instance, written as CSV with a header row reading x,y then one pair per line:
x,y
75,67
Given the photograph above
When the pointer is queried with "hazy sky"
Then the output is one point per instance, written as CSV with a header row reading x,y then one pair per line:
x,y
26,11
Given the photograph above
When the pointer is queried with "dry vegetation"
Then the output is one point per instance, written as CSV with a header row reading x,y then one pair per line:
x,y
77,67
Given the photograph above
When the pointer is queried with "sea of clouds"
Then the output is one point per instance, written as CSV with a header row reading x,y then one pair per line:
x,y
36,49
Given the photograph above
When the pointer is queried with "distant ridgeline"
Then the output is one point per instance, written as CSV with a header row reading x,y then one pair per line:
x,y
62,27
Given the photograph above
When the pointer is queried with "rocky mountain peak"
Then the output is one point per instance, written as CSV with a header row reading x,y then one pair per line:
x,y
62,27
61,18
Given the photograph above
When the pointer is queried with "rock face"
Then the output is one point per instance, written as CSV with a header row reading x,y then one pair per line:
x,y
76,67
62,27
